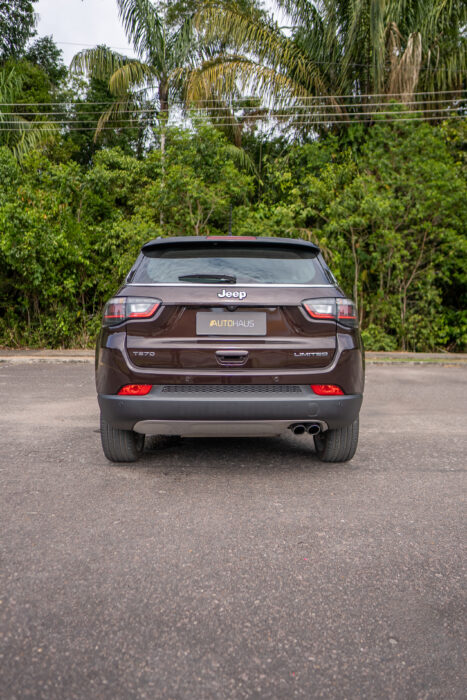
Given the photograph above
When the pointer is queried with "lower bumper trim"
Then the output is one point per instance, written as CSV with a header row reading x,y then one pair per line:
x,y
237,428
125,412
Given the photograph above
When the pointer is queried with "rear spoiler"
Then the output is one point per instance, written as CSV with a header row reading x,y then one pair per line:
x,y
223,240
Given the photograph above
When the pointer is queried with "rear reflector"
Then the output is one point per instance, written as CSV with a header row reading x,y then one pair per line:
x,y
135,390
327,389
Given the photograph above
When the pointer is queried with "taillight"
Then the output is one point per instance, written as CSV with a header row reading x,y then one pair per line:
x,y
121,309
347,312
327,389
342,310
135,390
321,308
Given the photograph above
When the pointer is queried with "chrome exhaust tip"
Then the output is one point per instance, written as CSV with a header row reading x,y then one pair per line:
x,y
298,429
314,429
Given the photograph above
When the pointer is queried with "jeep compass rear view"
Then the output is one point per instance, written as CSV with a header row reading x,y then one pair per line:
x,y
229,336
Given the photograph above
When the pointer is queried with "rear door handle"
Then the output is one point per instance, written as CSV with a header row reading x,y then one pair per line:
x,y
231,358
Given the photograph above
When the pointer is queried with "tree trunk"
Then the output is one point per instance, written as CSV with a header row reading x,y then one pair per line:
x,y
163,119
356,268
163,109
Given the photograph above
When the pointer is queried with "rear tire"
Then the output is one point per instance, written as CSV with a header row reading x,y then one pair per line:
x,y
338,445
120,445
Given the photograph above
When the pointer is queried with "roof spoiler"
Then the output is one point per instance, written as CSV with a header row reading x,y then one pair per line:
x,y
222,240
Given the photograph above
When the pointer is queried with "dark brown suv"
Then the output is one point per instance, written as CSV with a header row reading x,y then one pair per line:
x,y
229,336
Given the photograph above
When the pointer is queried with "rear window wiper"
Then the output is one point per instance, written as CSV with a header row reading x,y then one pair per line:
x,y
208,278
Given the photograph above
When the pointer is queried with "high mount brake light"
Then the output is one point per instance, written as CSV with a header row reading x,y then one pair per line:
x,y
342,310
135,390
231,238
327,389
120,309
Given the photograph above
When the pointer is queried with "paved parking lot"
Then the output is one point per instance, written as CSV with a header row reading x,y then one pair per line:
x,y
233,568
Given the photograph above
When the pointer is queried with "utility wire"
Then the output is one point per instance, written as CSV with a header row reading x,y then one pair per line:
x,y
244,99
311,123
154,110
283,116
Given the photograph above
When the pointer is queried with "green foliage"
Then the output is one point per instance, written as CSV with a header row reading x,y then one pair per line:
x,y
17,26
388,208
390,216
197,182
45,54
19,128
69,234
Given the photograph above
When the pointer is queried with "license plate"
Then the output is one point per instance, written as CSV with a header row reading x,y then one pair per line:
x,y
230,324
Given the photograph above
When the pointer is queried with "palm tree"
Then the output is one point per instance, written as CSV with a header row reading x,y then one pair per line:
x,y
162,51
332,49
17,131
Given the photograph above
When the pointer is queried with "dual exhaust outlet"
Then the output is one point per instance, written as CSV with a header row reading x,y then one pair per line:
x,y
301,428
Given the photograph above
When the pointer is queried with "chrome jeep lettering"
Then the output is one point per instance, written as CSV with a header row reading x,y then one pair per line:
x,y
231,295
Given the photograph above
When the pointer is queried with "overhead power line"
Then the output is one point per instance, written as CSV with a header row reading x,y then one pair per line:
x,y
261,117
242,100
93,46
311,123
269,112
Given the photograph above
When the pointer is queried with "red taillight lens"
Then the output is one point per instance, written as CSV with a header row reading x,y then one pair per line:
x,y
144,309
342,310
135,390
114,311
327,389
346,312
121,309
321,308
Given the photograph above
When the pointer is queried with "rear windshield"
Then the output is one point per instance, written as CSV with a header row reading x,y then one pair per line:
x,y
246,263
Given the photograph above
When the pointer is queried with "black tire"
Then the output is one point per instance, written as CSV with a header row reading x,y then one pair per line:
x,y
338,445
121,445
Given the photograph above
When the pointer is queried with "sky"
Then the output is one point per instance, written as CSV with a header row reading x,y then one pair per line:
x,y
78,24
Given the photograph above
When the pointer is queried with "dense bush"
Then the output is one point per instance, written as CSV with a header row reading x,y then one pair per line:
x,y
388,208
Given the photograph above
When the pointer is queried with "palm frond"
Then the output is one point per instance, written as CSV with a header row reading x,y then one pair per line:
x,y
100,62
33,135
132,75
181,44
21,135
223,74
241,158
145,29
272,50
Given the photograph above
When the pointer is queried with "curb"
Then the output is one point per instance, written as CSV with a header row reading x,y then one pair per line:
x,y
33,359
416,358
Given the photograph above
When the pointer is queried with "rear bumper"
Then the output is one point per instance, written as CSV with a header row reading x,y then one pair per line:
x,y
299,404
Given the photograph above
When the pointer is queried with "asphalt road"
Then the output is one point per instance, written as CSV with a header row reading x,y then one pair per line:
x,y
233,568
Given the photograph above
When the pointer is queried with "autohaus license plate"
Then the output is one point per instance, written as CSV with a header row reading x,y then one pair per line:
x,y
230,324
